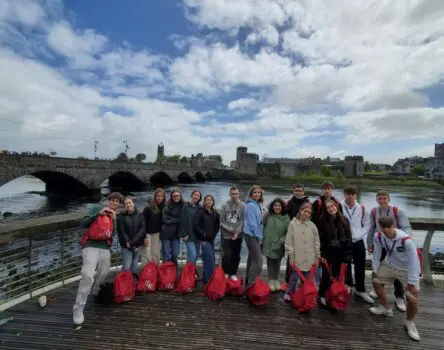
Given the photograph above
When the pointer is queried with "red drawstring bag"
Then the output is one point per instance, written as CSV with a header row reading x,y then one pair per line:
x,y
235,288
259,292
217,285
167,276
100,230
187,280
305,298
124,287
337,295
148,278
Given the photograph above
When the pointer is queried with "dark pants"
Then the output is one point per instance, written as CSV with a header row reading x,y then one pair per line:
x,y
288,271
231,257
254,261
208,259
335,269
359,255
399,291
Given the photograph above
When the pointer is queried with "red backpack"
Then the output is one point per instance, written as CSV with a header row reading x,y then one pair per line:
x,y
395,214
167,276
418,250
217,285
337,295
124,287
100,230
259,292
235,288
187,280
305,298
148,278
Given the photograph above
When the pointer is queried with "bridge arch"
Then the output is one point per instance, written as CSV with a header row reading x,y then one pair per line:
x,y
125,181
199,177
184,177
161,178
61,184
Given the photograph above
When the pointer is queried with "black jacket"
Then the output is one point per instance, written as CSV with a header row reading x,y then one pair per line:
x,y
336,239
318,209
171,222
153,220
206,225
131,228
294,204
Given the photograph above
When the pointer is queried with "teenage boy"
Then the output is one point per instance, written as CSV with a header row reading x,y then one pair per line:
x,y
96,255
231,226
401,222
360,224
318,207
292,207
402,264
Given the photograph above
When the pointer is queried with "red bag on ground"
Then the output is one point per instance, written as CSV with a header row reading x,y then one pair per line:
x,y
305,298
187,280
124,287
337,295
235,288
100,230
167,276
217,285
147,282
259,292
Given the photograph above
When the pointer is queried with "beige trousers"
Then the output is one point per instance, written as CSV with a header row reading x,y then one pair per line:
x,y
152,252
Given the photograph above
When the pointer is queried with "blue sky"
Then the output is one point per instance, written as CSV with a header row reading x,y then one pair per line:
x,y
284,78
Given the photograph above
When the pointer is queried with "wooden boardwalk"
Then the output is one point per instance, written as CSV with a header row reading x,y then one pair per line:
x,y
171,321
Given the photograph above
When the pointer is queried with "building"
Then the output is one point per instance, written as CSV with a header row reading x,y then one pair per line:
x,y
246,162
354,166
160,152
438,169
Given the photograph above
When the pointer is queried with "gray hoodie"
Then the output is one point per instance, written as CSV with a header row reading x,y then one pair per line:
x,y
232,218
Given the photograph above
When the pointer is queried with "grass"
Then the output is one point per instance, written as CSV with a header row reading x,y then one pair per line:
x,y
340,180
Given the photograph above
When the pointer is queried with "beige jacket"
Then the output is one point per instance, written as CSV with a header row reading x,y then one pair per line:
x,y
302,244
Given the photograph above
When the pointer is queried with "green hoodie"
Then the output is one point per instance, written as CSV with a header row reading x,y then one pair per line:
x,y
275,232
87,221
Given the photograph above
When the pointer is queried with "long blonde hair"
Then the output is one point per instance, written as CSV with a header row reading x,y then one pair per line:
x,y
252,189
154,204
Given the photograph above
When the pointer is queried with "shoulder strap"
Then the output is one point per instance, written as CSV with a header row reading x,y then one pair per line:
x,y
405,239
319,205
380,237
343,272
300,274
362,215
395,214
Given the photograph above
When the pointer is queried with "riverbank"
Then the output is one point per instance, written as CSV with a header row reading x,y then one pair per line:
x,y
316,181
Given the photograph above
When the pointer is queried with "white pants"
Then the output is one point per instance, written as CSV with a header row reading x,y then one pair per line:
x,y
152,252
96,261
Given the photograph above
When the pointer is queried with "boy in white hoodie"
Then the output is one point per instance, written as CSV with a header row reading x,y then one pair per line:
x,y
402,264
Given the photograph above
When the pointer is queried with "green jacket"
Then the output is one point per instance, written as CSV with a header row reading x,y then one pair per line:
x,y
87,221
275,231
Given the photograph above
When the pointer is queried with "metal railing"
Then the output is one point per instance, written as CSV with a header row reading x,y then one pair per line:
x,y
32,266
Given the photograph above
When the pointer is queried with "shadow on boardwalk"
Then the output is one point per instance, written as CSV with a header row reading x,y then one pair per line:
x,y
171,321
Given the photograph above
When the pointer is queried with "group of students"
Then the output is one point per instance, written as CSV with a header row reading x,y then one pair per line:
x,y
304,232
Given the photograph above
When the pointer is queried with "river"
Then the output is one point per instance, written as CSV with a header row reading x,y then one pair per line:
x,y
16,199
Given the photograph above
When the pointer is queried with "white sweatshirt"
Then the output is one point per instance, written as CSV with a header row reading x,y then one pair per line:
x,y
359,225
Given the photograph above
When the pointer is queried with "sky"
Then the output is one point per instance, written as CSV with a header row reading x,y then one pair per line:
x,y
285,78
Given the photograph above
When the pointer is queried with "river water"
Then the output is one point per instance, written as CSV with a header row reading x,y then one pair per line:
x,y
15,199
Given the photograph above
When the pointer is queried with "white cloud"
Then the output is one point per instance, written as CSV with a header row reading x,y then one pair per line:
x,y
242,103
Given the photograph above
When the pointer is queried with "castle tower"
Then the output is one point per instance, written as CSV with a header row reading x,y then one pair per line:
x,y
240,151
160,151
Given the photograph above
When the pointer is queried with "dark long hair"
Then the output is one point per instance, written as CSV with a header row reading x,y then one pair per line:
x,y
340,220
214,202
273,202
171,202
154,206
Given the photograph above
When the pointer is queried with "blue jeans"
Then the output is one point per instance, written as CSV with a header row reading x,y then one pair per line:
x,y
171,250
294,279
193,251
130,260
209,260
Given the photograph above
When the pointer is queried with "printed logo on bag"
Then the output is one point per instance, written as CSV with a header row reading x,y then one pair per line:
x,y
149,285
170,286
126,298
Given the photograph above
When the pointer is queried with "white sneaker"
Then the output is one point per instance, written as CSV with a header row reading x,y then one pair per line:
x,y
380,310
411,330
323,301
277,285
271,285
77,316
373,295
364,296
233,278
400,304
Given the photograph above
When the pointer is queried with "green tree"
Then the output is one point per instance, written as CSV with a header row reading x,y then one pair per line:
x,y
140,157
339,175
325,171
418,170
174,159
367,166
122,157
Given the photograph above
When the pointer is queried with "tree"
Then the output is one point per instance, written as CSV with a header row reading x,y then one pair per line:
x,y
325,171
367,166
418,170
184,160
140,157
122,157
174,159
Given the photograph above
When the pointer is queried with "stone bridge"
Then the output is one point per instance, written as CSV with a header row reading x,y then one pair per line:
x,y
70,175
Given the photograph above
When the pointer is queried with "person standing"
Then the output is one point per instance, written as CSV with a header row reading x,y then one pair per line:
x,y
153,225
189,213
253,231
360,223
131,232
318,208
275,229
95,254
231,226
